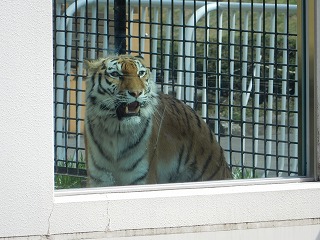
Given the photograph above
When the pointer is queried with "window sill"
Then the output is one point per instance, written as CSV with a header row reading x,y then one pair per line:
x,y
233,205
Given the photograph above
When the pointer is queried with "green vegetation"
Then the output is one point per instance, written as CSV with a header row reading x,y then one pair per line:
x,y
67,181
241,173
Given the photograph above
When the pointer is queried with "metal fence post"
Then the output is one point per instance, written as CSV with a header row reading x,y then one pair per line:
x,y
120,26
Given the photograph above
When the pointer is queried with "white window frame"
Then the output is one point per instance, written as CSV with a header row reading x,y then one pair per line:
x,y
30,207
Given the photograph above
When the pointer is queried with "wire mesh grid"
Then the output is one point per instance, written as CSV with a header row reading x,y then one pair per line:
x,y
234,62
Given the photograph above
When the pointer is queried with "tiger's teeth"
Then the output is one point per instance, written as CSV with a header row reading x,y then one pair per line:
x,y
136,110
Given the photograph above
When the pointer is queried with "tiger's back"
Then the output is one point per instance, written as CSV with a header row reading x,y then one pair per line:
x,y
185,149
134,135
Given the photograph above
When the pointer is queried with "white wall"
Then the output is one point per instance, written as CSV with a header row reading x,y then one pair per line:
x,y
30,207
26,125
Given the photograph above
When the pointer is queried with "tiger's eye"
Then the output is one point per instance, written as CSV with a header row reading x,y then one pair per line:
x,y
142,73
114,74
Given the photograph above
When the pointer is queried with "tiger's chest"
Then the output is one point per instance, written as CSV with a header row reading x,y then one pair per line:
x,y
121,157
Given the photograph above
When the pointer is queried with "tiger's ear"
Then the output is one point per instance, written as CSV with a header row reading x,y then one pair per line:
x,y
92,65
139,56
86,63
141,59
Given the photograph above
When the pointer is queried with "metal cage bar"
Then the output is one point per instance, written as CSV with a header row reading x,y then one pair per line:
x,y
232,62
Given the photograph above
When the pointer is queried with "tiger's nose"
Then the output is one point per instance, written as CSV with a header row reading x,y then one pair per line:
x,y
135,93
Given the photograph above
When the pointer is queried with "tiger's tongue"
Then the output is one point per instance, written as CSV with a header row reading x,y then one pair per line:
x,y
128,110
132,107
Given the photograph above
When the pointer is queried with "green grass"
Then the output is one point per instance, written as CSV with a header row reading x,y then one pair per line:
x,y
241,173
66,181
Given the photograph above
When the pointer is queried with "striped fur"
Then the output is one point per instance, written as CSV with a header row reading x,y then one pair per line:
x,y
134,135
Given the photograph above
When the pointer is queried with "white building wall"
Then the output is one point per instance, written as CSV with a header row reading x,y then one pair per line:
x,y
26,123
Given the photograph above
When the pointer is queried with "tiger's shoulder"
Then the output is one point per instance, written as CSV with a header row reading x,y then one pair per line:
x,y
180,117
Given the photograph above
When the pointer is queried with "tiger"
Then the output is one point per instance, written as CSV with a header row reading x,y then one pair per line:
x,y
136,135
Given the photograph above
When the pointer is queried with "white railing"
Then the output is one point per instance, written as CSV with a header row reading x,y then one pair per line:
x,y
186,59
247,89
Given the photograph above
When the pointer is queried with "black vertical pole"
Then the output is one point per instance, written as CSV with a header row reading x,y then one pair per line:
x,y
120,26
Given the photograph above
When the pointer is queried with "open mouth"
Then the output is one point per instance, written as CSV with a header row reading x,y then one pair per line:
x,y
128,110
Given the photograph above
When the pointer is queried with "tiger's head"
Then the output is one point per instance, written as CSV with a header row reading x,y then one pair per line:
x,y
120,87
